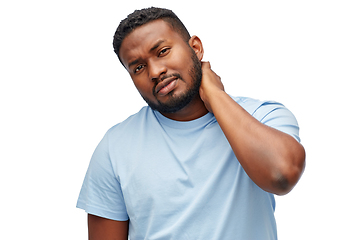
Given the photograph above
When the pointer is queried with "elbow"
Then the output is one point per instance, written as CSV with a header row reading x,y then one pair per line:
x,y
285,179
283,184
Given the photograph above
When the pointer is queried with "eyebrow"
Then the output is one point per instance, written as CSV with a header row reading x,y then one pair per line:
x,y
156,45
133,63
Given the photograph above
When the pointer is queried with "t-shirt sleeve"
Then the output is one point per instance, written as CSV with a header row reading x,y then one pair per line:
x,y
101,193
276,115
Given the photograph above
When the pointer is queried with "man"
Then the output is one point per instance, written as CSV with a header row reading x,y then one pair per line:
x,y
196,163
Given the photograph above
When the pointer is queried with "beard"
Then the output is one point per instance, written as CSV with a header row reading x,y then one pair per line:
x,y
176,103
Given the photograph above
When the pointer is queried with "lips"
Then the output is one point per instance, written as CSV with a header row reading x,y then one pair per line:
x,y
166,86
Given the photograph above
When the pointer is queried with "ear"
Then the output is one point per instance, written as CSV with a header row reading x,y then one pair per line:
x,y
196,44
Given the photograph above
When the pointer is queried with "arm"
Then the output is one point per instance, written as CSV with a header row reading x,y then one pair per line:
x,y
272,159
106,229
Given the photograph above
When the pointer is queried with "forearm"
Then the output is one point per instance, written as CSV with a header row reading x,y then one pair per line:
x,y
272,159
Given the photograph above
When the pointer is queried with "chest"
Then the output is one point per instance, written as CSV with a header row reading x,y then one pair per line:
x,y
157,167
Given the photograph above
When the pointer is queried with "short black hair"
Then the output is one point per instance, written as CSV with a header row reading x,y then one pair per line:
x,y
143,16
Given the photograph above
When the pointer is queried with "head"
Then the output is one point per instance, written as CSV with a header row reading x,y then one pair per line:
x,y
144,16
162,59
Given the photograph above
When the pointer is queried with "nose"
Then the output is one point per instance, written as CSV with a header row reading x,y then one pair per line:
x,y
156,69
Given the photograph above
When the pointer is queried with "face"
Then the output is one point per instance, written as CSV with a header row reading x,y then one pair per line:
x,y
165,69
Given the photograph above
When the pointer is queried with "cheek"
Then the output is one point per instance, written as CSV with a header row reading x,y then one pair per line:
x,y
144,87
181,61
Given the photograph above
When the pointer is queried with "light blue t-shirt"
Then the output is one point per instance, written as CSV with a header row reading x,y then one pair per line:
x,y
181,180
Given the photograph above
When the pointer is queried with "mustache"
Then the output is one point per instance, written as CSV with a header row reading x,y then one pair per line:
x,y
171,75
177,75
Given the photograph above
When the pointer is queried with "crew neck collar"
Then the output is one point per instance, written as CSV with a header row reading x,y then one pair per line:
x,y
183,124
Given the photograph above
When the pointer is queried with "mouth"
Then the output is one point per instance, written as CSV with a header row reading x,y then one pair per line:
x,y
166,86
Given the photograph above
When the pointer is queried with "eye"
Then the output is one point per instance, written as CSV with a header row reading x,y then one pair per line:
x,y
138,68
164,52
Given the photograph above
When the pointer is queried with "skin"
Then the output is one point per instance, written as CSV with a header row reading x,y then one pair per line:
x,y
272,159
105,229
171,56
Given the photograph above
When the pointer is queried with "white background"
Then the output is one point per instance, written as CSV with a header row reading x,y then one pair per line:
x,y
62,87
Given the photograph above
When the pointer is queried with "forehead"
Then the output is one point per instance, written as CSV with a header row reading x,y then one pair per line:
x,y
142,39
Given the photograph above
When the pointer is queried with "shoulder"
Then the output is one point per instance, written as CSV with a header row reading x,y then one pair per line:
x,y
132,123
271,113
255,106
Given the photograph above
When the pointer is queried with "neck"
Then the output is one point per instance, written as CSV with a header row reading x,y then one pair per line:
x,y
194,110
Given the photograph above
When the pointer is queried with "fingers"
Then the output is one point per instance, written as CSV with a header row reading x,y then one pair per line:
x,y
205,65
